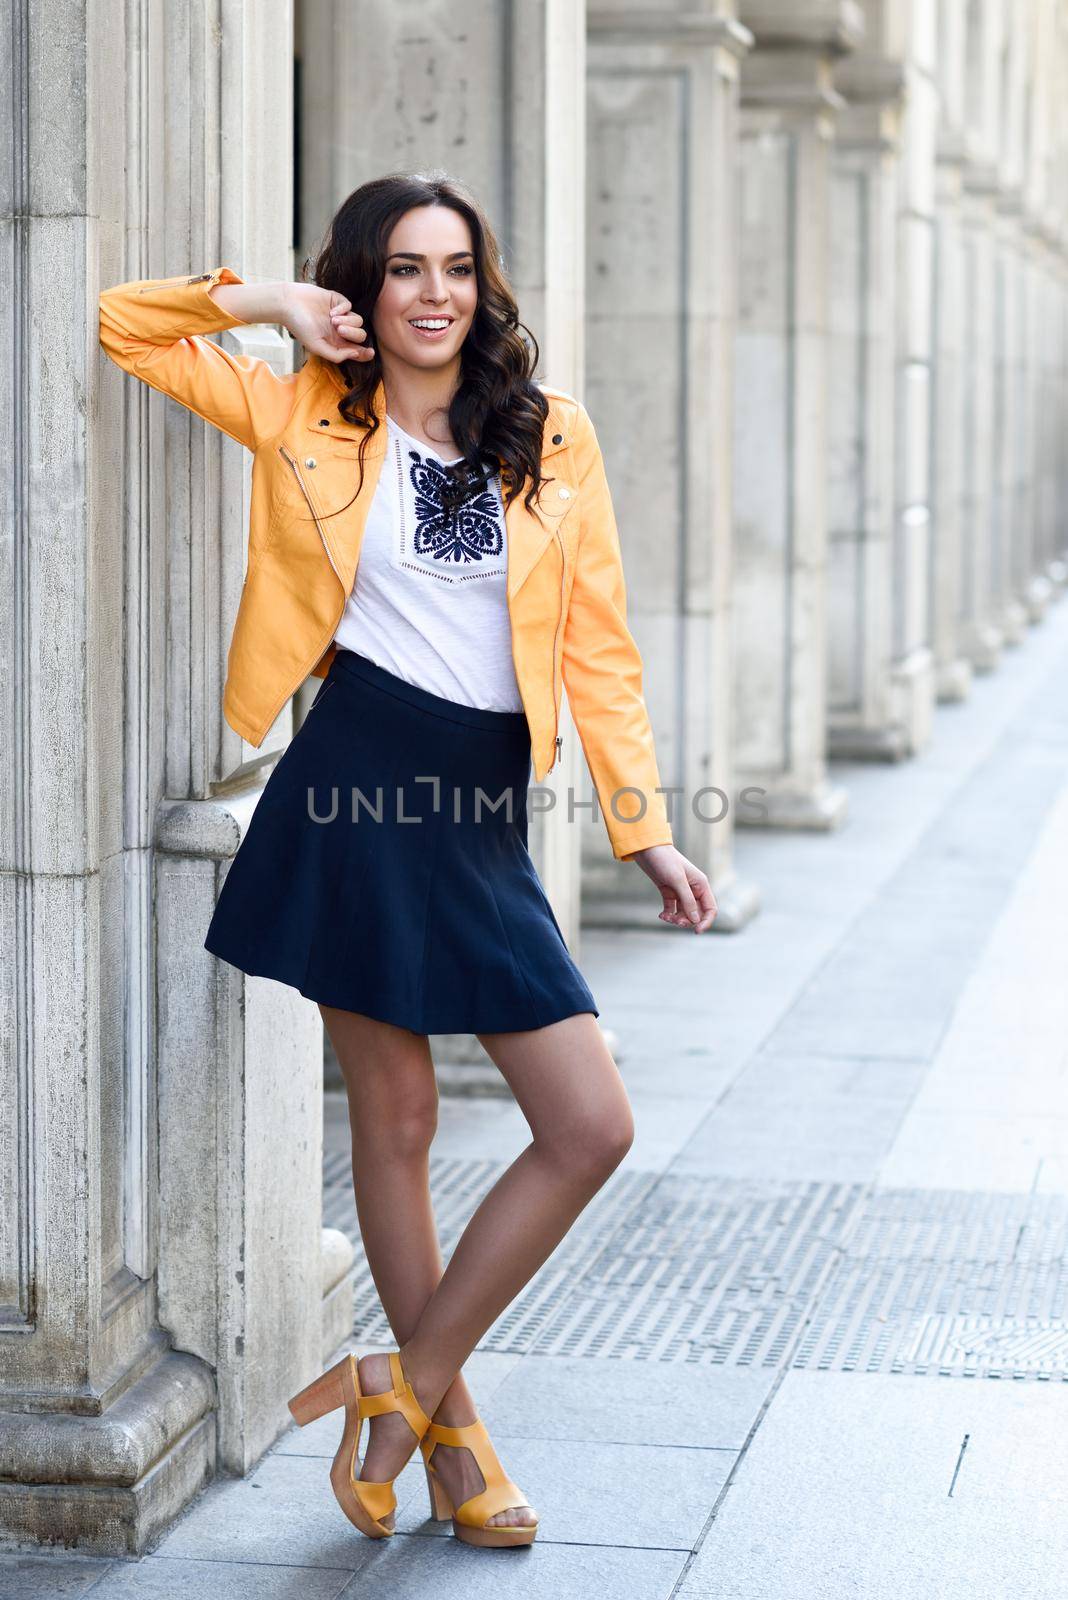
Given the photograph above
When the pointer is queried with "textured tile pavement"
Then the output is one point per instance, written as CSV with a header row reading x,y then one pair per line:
x,y
810,1342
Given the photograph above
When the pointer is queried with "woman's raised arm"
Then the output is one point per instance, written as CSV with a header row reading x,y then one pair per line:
x,y
153,328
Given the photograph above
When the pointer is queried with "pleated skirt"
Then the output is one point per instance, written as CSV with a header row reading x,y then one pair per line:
x,y
385,869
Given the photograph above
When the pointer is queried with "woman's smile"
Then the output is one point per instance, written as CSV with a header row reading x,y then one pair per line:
x,y
431,327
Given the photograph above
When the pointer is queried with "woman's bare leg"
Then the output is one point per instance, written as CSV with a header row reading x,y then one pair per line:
x,y
393,1105
569,1089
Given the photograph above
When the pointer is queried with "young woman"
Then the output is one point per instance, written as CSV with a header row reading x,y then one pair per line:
x,y
431,533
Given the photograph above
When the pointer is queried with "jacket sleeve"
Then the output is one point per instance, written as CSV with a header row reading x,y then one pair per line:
x,y
153,328
602,668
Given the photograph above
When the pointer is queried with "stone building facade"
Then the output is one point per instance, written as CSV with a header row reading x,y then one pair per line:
x,y
812,254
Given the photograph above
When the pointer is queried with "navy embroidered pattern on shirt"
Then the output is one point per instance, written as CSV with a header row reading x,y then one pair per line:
x,y
453,526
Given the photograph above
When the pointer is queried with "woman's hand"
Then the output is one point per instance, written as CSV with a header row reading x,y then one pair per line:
x,y
687,893
324,322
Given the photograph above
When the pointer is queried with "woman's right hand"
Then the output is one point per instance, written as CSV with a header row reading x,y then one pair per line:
x,y
324,322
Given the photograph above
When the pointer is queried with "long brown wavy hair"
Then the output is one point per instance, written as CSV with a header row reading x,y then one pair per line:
x,y
497,414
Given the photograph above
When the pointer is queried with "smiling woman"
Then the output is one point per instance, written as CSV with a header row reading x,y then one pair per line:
x,y
432,533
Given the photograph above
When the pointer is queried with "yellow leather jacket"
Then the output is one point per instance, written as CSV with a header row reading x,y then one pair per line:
x,y
565,586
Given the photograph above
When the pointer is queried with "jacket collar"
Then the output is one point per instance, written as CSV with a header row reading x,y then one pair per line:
x,y
530,530
558,423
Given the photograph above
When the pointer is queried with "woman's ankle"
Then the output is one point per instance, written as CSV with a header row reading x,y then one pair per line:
x,y
428,1384
457,1408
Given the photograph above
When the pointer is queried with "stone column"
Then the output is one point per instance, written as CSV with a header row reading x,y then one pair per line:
x,y
862,720
953,671
982,635
1046,196
1009,412
779,596
158,1154
492,92
662,97
912,34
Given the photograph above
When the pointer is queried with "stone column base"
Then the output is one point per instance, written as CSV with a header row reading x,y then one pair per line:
x,y
953,680
1014,622
983,644
465,1071
889,743
913,686
338,1256
1037,598
110,1484
820,809
633,907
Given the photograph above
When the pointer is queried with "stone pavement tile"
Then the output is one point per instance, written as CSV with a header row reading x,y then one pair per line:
x,y
49,1576
469,1129
485,1371
844,1491
1007,1074
662,1126
614,1494
664,1069
839,1140
1052,1175
957,1148
900,1437
1004,1055
664,1047
804,1117
283,1513
782,1544
160,1578
887,1024
634,1402
789,1080
406,1568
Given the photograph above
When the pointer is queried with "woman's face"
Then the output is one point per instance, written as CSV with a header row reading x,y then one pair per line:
x,y
428,297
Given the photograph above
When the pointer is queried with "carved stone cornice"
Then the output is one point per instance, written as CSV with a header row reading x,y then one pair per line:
x,y
834,26
653,26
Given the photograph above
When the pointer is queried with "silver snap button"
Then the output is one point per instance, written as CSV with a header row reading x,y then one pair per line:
x,y
309,461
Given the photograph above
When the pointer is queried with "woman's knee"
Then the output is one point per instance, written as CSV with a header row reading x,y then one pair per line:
x,y
392,1093
594,1144
397,1126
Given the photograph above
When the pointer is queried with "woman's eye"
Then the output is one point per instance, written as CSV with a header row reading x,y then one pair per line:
x,y
464,268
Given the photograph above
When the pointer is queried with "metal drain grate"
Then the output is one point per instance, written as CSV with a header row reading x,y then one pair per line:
x,y
745,1273
720,1273
456,1189
940,1281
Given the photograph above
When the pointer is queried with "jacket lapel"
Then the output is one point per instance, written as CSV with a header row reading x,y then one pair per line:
x,y
530,530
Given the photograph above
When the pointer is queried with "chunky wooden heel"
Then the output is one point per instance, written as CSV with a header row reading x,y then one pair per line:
x,y
440,1505
324,1395
365,1501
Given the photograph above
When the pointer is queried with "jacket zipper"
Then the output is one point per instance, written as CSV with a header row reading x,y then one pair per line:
x,y
323,642
304,491
558,742
160,283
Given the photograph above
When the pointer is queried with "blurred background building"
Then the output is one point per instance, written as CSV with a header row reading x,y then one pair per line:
x,y
810,253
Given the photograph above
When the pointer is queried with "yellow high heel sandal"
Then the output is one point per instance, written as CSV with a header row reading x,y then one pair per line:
x,y
469,1519
364,1501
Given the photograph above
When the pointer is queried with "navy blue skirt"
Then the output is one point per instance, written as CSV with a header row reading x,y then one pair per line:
x,y
385,869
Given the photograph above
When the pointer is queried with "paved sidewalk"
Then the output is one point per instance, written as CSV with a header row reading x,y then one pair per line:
x,y
810,1340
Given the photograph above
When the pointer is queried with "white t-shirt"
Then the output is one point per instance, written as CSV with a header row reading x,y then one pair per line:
x,y
429,602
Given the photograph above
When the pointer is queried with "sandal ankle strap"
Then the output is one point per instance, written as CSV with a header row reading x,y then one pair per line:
x,y
400,1398
471,1433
